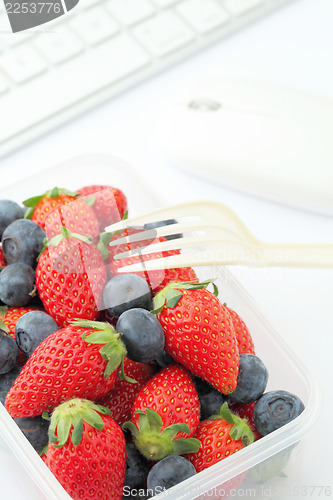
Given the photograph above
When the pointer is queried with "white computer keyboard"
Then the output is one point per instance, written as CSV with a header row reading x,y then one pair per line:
x,y
51,74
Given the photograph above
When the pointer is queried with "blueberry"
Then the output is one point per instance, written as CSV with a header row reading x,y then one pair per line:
x,y
126,291
210,403
22,241
17,284
7,380
210,398
167,222
143,335
32,328
35,430
9,211
8,352
252,379
168,472
275,409
136,467
164,360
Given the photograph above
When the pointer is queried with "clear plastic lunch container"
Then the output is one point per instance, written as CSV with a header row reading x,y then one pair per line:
x,y
256,471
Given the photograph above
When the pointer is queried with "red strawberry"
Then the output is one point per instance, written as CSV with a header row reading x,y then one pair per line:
x,y
166,413
8,319
3,262
220,436
157,280
80,360
59,208
108,203
70,278
199,333
122,395
87,451
246,411
244,339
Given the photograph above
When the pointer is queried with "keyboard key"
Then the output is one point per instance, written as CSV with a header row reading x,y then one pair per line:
x,y
239,7
163,34
59,46
94,26
129,12
203,15
22,64
164,3
85,77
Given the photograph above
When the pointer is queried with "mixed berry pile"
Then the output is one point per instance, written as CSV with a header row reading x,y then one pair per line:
x,y
126,384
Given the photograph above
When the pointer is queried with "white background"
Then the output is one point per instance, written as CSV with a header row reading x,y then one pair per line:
x,y
294,47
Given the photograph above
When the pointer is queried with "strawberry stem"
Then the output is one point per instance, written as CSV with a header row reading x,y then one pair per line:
x,y
172,293
156,443
69,416
240,429
113,350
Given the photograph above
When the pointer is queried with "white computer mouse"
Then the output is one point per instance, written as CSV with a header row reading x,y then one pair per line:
x,y
257,137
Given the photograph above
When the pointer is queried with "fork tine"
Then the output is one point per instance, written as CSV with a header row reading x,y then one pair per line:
x,y
177,228
149,234
174,212
226,253
177,244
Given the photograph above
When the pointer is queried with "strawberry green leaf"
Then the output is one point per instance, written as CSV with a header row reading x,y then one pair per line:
x,y
77,433
29,213
46,415
90,200
132,428
173,298
186,445
173,429
43,451
3,310
56,192
93,418
33,201
154,419
4,327
122,375
63,429
125,215
95,325
153,441
105,237
103,409
99,337
68,420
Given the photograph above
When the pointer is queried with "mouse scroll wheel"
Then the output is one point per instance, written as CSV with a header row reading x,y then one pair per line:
x,y
204,105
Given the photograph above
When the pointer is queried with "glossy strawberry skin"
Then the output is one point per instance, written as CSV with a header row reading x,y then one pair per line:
x,y
96,467
70,279
157,280
200,335
244,339
122,395
172,394
216,443
110,203
52,213
61,367
13,314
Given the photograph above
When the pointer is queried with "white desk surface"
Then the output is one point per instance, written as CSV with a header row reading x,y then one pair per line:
x,y
293,47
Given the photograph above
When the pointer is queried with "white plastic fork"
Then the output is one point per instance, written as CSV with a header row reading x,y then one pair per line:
x,y
216,236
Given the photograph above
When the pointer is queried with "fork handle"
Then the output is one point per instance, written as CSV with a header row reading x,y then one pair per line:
x,y
291,255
